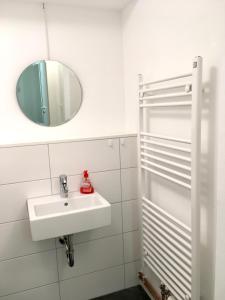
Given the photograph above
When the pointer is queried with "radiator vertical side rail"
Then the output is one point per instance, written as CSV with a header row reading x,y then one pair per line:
x,y
195,174
141,173
176,261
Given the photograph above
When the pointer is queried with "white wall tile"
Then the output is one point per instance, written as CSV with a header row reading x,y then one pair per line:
x,y
16,240
73,158
132,246
24,163
93,285
130,215
92,256
27,272
131,271
129,180
48,292
106,183
13,198
26,266
128,152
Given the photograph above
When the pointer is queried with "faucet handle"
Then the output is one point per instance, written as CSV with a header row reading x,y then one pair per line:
x,y
63,178
63,186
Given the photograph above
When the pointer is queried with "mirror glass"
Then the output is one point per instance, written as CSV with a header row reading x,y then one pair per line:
x,y
49,93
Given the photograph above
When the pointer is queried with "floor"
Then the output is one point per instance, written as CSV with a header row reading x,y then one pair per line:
x,y
134,293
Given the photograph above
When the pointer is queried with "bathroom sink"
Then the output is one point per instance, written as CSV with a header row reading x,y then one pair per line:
x,y
54,216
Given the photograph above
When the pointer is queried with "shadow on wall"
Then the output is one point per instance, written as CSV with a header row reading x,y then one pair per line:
x,y
207,173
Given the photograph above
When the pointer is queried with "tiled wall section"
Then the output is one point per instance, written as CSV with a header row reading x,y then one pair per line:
x,y
106,259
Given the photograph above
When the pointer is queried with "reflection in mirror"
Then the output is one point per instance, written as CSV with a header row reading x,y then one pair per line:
x,y
49,93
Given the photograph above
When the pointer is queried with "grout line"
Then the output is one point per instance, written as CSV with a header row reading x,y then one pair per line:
x,y
49,178
68,141
75,244
128,200
73,277
102,238
125,168
57,266
14,221
124,279
133,261
24,181
57,282
129,231
50,170
91,172
75,174
30,289
100,171
30,254
96,271
132,231
23,145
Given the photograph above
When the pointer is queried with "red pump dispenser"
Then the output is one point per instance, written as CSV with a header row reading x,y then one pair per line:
x,y
86,186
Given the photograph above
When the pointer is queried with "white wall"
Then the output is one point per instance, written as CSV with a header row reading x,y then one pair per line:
x,y
87,40
160,39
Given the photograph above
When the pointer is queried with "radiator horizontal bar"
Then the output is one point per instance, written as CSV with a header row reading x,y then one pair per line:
x,y
167,227
168,170
167,87
170,275
176,291
178,272
171,249
183,244
167,215
166,104
166,79
180,157
150,245
165,137
179,263
181,183
166,161
169,264
165,145
161,232
170,233
164,96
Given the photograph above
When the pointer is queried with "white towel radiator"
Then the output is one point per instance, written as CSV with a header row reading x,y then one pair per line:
x,y
171,248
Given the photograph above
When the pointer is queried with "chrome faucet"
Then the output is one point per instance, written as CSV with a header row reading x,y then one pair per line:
x,y
63,186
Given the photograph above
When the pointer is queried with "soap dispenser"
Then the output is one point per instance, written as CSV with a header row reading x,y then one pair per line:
x,y
86,186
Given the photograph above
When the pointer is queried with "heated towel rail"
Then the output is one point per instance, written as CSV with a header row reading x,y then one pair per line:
x,y
171,248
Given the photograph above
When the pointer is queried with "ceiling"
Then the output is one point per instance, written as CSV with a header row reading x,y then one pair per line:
x,y
106,4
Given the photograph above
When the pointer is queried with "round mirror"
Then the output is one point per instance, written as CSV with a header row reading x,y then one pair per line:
x,y
49,93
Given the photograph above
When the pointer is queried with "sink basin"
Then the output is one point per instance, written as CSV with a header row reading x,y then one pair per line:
x,y
54,216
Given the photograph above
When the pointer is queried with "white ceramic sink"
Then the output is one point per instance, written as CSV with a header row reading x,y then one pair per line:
x,y
54,216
